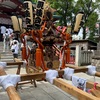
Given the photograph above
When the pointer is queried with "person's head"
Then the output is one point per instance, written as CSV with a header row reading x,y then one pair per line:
x,y
15,42
49,65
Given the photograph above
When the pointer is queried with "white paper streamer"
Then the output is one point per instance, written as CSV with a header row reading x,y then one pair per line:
x,y
51,75
91,70
68,72
9,80
79,82
3,64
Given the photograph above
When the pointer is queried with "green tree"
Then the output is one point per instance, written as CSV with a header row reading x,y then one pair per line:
x,y
65,9
34,1
90,15
69,8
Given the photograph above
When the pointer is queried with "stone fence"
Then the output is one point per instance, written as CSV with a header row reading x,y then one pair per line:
x,y
86,57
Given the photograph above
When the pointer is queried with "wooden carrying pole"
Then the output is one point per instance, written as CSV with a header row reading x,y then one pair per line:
x,y
42,75
11,91
76,70
81,95
14,63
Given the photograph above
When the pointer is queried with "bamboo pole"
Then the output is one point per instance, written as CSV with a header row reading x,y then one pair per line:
x,y
11,91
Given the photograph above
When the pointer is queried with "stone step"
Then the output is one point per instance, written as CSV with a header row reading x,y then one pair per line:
x,y
6,52
7,60
8,57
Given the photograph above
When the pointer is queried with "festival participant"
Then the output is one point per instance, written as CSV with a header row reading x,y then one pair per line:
x,y
15,48
2,36
10,34
3,31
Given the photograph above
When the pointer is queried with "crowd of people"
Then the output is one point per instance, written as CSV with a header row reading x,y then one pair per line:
x,y
10,40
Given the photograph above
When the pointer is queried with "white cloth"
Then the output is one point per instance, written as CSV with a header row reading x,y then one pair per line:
x,y
91,70
79,82
68,72
9,80
51,75
3,29
12,42
3,64
9,31
16,48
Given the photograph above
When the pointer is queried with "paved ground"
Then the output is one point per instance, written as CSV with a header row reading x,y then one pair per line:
x,y
44,90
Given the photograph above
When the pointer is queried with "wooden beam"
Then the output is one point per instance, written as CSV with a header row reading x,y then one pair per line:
x,y
11,91
40,76
96,93
76,70
14,63
71,66
91,84
83,69
97,74
61,72
64,86
81,95
35,76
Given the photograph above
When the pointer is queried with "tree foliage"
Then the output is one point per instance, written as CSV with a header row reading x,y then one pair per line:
x,y
65,9
90,16
69,8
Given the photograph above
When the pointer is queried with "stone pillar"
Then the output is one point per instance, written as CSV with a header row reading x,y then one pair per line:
x,y
78,55
98,46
